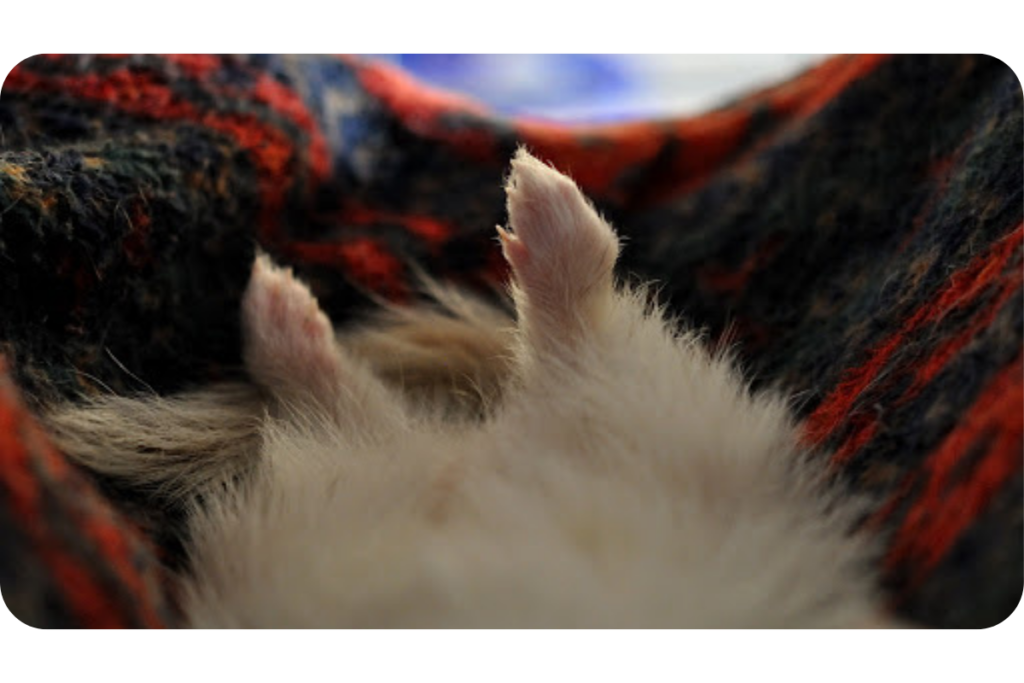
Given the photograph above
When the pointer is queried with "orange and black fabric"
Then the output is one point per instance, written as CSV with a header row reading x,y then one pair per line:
x,y
855,232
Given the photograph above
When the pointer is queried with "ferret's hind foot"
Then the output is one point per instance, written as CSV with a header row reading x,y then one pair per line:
x,y
561,251
289,342
558,240
290,349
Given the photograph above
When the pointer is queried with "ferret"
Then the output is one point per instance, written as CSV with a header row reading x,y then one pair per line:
x,y
586,462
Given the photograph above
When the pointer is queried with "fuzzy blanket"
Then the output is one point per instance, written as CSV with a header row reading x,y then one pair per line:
x,y
856,232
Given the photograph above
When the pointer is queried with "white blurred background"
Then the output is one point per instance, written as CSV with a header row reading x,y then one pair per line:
x,y
595,88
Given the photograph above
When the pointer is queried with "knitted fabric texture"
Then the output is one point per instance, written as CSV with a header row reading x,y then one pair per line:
x,y
857,233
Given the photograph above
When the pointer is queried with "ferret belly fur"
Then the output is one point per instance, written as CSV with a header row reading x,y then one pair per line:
x,y
615,472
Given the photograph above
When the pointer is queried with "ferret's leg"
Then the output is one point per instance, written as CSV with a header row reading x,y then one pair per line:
x,y
562,254
290,349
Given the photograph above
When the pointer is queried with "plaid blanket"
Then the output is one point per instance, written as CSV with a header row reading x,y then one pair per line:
x,y
856,232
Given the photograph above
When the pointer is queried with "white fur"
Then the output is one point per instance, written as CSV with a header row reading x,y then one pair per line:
x,y
627,478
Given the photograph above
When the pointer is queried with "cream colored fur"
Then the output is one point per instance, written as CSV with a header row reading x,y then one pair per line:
x,y
615,473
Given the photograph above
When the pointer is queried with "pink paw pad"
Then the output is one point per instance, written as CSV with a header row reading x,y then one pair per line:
x,y
558,245
288,337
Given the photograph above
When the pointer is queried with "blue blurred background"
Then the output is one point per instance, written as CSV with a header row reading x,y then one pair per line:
x,y
600,88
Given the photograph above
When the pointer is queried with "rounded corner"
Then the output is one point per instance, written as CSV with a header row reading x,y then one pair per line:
x,y
1007,66
1011,619
10,60
24,624
1005,58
